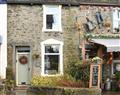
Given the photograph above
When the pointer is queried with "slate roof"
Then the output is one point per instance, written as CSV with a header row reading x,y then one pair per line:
x,y
67,2
3,1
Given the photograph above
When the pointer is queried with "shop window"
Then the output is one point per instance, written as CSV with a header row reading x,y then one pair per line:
x,y
91,51
115,66
116,55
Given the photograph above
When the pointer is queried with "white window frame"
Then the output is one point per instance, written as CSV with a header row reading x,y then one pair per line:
x,y
51,42
116,20
112,67
3,34
59,28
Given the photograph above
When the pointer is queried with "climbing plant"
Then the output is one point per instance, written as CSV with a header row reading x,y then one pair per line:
x,y
73,64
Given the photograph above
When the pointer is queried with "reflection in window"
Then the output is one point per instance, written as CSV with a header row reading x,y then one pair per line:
x,y
51,64
51,57
49,21
52,49
116,67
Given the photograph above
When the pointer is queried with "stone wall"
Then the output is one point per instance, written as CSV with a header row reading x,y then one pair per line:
x,y
25,28
65,91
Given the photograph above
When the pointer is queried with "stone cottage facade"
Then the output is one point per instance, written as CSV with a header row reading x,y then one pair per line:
x,y
3,39
44,36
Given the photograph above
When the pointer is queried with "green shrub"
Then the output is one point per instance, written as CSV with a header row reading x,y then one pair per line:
x,y
40,81
116,81
70,83
10,82
59,81
117,76
80,72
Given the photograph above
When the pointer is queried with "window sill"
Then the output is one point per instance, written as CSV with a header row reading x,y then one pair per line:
x,y
46,75
52,30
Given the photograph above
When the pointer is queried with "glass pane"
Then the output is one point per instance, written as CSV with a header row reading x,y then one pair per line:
x,y
51,64
56,23
116,67
95,76
52,49
49,21
52,9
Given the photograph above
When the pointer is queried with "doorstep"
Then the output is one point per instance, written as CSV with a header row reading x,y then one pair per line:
x,y
22,87
2,84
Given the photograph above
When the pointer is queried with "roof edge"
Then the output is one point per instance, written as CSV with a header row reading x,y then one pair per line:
x,y
63,3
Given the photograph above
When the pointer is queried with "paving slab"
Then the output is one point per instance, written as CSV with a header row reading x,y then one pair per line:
x,y
111,93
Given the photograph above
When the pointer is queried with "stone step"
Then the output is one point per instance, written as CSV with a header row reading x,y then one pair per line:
x,y
2,84
21,87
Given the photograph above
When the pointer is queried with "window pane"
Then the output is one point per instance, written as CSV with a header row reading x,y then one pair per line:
x,y
116,20
52,49
56,23
51,9
116,67
51,64
49,21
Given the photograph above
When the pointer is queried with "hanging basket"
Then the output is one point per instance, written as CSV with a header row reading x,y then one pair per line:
x,y
23,60
35,56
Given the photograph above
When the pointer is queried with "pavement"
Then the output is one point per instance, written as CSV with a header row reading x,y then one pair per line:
x,y
111,93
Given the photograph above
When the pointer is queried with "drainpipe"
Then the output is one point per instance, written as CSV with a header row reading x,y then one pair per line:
x,y
83,51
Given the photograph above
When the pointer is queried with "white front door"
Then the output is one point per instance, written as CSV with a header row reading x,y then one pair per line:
x,y
23,68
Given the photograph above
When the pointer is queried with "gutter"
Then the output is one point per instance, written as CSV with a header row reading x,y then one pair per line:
x,y
64,3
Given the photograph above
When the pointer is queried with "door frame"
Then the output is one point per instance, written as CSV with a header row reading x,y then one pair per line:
x,y
16,67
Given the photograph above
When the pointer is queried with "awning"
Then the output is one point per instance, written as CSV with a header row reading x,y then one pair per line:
x,y
113,45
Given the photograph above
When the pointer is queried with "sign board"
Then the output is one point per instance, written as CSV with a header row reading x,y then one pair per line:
x,y
95,75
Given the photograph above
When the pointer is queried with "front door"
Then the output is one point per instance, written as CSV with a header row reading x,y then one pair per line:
x,y
23,68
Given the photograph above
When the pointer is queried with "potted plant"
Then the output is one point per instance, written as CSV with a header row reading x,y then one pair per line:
x,y
96,60
107,24
117,77
35,56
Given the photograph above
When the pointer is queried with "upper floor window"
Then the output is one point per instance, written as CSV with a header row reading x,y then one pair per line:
x,y
52,18
116,20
